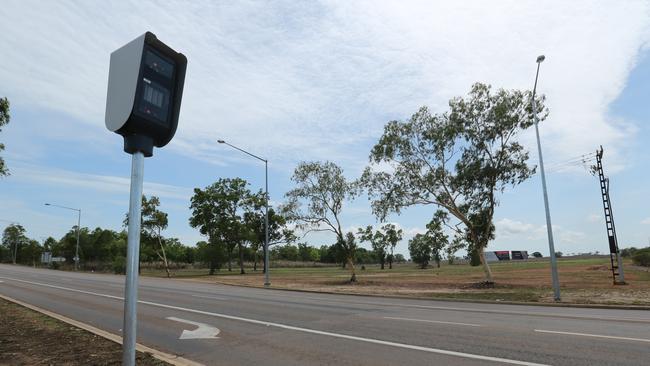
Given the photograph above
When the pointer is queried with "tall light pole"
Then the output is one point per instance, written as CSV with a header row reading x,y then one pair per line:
x,y
267,281
76,256
549,227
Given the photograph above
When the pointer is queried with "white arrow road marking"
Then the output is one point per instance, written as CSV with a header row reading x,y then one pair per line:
x,y
297,329
203,331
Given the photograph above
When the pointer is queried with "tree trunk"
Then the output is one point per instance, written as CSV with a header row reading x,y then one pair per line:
x,y
486,266
352,269
382,264
241,259
164,257
255,261
229,260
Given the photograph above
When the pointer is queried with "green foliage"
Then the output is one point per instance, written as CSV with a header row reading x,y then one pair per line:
x,y
559,254
628,252
459,160
428,246
316,203
219,212
457,244
537,255
14,239
119,265
420,250
378,240
642,257
4,119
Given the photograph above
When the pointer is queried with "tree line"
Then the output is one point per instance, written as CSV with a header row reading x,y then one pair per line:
x,y
458,162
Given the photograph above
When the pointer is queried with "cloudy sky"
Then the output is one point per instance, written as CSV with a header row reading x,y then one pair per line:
x,y
295,81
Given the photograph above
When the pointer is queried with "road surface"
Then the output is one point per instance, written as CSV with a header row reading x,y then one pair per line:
x,y
225,325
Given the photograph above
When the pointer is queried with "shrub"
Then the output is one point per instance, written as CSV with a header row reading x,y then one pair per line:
x,y
642,257
119,265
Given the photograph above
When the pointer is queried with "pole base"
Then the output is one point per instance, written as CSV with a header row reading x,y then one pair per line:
x,y
267,284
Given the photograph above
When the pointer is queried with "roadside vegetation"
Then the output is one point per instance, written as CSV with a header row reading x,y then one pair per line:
x,y
457,162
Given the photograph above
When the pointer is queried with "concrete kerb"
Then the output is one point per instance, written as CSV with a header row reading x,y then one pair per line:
x,y
160,355
472,301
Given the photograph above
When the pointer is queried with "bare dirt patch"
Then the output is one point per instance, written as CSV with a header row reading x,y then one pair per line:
x,y
31,338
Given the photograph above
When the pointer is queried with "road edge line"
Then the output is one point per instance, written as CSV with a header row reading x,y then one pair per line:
x,y
160,355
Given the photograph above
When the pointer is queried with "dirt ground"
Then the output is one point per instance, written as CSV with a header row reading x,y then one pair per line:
x,y
31,338
583,281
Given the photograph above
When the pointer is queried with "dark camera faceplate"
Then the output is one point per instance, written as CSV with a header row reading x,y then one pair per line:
x,y
155,90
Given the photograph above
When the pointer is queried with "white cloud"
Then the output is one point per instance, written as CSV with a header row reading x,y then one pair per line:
x,y
314,81
646,221
507,227
101,183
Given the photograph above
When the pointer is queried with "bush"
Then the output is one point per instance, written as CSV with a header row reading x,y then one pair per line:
x,y
628,252
537,255
119,265
642,257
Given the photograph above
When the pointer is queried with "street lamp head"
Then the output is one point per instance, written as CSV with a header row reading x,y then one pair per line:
x,y
540,58
221,141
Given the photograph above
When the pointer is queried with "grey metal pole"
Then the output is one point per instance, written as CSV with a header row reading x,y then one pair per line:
x,y
15,252
267,281
549,227
76,256
132,260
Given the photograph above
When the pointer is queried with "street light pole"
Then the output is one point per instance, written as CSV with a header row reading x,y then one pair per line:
x,y
76,256
549,227
267,281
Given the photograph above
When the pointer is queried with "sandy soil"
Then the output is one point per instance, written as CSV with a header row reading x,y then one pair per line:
x,y
31,338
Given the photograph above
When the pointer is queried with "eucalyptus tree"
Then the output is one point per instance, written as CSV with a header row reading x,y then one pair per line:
x,y
393,236
218,211
377,240
420,250
436,235
13,238
255,222
4,119
459,160
315,204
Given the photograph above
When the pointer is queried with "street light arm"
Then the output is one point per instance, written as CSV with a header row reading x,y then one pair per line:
x,y
242,150
67,208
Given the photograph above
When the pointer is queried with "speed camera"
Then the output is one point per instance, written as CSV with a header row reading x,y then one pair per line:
x,y
145,87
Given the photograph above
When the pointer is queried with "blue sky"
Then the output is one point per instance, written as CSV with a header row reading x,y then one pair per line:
x,y
295,81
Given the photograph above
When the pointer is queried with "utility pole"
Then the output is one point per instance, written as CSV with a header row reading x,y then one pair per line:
x,y
614,254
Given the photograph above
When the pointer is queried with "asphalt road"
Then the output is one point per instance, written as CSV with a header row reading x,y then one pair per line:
x,y
269,327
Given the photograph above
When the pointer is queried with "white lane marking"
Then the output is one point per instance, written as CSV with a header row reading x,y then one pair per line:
x,y
204,331
593,335
210,297
430,321
304,330
2,281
